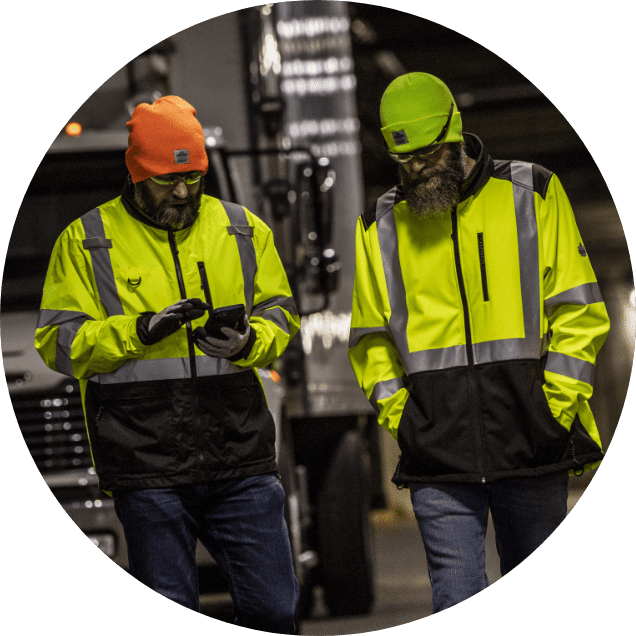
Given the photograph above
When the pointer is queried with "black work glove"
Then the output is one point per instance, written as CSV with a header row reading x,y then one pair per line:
x,y
229,345
152,328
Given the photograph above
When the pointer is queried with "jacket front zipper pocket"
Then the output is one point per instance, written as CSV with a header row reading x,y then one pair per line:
x,y
482,265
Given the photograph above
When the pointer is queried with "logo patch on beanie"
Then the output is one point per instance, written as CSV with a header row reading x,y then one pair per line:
x,y
400,138
182,156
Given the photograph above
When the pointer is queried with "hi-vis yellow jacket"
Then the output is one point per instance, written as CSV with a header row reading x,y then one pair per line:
x,y
166,414
475,335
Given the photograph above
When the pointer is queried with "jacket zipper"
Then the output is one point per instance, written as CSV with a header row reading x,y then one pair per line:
x,y
472,384
175,254
482,265
193,367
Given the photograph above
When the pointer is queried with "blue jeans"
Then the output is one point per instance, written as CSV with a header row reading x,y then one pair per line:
x,y
453,519
239,521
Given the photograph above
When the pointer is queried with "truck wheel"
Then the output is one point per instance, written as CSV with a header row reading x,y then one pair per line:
x,y
346,554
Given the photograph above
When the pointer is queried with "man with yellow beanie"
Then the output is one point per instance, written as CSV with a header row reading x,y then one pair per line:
x,y
179,428
475,327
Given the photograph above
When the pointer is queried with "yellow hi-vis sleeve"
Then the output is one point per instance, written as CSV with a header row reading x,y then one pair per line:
x,y
74,335
576,314
372,352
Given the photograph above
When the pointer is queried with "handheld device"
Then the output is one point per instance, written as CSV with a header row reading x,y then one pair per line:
x,y
231,316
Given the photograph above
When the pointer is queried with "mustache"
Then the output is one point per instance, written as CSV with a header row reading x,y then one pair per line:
x,y
434,190
176,214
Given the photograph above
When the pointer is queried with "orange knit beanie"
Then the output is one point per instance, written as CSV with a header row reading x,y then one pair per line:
x,y
164,137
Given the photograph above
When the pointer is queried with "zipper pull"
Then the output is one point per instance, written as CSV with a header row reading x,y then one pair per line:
x,y
172,239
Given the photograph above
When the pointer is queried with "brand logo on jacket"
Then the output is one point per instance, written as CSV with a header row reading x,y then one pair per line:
x,y
582,251
182,156
400,138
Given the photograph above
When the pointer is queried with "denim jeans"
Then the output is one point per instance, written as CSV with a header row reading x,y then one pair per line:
x,y
239,521
453,519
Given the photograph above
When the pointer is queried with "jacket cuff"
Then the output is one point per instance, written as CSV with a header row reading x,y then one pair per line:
x,y
244,353
142,327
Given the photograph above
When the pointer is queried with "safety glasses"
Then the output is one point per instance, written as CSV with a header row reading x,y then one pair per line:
x,y
426,153
171,180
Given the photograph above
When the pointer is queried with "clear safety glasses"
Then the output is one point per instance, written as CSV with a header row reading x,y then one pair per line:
x,y
171,180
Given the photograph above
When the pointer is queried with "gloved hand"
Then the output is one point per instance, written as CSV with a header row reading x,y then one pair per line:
x,y
152,328
227,347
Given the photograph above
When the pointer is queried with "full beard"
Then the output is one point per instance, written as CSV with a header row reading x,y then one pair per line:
x,y
434,191
176,214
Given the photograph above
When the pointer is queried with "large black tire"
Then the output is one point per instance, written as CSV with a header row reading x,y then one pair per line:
x,y
345,551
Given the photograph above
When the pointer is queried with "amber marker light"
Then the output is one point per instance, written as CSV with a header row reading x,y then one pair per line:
x,y
73,129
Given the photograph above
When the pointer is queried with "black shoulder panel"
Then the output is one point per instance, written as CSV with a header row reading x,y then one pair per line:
x,y
382,206
502,170
368,218
540,179
540,176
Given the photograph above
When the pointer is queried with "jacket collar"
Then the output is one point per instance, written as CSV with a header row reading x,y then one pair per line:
x,y
482,170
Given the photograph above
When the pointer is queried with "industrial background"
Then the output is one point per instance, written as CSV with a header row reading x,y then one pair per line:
x,y
272,79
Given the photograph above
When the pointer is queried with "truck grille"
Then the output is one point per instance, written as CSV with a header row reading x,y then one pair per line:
x,y
52,425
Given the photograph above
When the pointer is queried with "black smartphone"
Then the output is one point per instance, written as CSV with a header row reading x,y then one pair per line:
x,y
231,316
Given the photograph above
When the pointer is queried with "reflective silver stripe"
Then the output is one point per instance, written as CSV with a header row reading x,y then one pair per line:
x,y
102,266
286,302
238,217
385,203
435,359
356,333
385,389
51,317
96,242
271,310
207,365
528,241
275,315
165,369
570,367
247,230
586,294
387,237
68,324
508,349
65,336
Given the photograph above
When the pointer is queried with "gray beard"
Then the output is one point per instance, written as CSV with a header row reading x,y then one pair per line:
x,y
435,191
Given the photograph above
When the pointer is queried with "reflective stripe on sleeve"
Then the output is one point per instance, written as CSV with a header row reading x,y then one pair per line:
x,y
385,389
586,294
356,333
68,324
272,310
570,367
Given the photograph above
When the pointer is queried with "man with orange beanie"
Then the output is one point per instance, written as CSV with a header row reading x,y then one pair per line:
x,y
474,332
180,432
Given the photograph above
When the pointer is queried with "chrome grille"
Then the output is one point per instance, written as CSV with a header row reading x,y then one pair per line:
x,y
52,425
